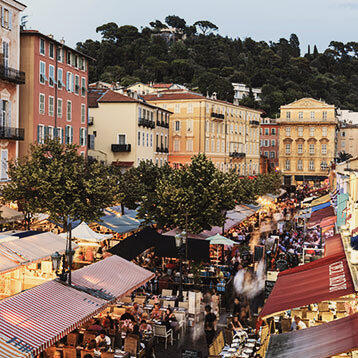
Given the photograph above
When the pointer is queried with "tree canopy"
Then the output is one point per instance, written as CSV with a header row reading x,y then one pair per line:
x,y
199,57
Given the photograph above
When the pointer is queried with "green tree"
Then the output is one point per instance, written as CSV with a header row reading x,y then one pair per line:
x,y
176,22
206,27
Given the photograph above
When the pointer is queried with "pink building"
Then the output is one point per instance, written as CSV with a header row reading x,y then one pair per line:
x,y
269,141
54,98
11,79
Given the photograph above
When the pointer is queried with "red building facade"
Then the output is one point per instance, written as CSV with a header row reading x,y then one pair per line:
x,y
269,141
54,98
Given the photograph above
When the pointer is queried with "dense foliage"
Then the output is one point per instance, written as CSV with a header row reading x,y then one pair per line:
x,y
195,196
195,55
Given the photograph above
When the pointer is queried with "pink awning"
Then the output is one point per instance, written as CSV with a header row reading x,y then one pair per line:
x,y
324,279
321,341
333,245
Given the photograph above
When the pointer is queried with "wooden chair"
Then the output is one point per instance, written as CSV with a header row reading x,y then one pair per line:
x,y
161,332
50,352
72,339
327,316
340,307
140,300
151,302
69,352
341,314
86,351
87,337
311,315
167,292
168,303
323,307
107,355
131,345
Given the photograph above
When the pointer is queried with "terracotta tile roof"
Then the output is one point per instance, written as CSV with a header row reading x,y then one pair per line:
x,y
161,85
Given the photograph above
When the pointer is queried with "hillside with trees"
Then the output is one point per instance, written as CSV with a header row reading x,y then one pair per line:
x,y
200,58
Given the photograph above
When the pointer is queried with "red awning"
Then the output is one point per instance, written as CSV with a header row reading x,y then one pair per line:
x,y
321,341
319,215
333,246
323,279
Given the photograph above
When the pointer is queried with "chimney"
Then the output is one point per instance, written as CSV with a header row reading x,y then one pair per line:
x,y
62,41
213,96
51,36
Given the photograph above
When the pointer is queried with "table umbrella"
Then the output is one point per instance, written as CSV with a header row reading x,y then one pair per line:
x,y
220,240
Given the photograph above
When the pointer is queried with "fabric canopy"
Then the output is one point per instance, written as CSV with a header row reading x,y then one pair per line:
x,y
333,246
319,215
84,232
9,215
221,240
320,206
324,279
21,249
321,200
321,341
35,319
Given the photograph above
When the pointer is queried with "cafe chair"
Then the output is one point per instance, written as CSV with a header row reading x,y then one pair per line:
x,y
72,340
85,351
107,355
69,352
131,345
167,292
161,332
50,351
140,300
87,337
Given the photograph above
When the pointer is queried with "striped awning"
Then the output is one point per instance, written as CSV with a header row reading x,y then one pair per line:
x,y
35,319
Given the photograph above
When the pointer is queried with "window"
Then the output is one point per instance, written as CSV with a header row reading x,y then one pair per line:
x,y
207,145
299,164
272,155
59,107
324,131
59,78
51,50
212,146
151,139
143,139
323,165
82,137
288,114
324,148
51,75
218,146
273,131
176,108
68,57
288,131
266,154
68,135
83,113
189,125
147,139
177,126
68,81
50,106
273,142
59,134
288,148
300,148
42,104
267,131
69,111
223,146
190,108
235,128
300,115
50,132
343,134
324,114
42,72
312,131
139,138
4,165
81,63
266,143
311,165
176,145
312,115
40,134
83,87
231,128
300,131
189,145
77,84
343,144
287,164
42,46
59,54
311,148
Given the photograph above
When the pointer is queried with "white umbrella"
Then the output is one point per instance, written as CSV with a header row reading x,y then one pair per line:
x,y
221,240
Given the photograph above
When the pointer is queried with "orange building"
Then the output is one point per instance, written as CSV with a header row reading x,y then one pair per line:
x,y
228,134
10,80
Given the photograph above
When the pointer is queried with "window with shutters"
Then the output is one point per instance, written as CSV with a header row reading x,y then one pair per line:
x,y
59,78
42,103
176,145
267,131
273,131
323,165
311,165
312,115
207,145
288,131
51,76
176,108
83,113
189,145
5,53
83,87
300,131
50,106
177,126
311,149
59,134
138,137
4,165
300,148
43,78
287,164
40,134
324,114
324,131
223,146
288,115
299,164
51,50
324,148
42,46
83,136
272,155
273,142
68,81
312,129
68,135
69,111
189,125
77,84
59,107
300,115
50,132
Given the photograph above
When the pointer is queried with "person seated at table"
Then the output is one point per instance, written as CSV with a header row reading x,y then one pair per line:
x,y
169,319
127,315
137,311
103,341
107,322
95,327
145,327
92,344
235,325
57,354
156,312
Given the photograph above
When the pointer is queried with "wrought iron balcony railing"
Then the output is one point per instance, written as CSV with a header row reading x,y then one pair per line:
x,y
11,75
12,133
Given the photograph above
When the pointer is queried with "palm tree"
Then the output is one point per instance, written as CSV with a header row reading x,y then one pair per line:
x,y
343,157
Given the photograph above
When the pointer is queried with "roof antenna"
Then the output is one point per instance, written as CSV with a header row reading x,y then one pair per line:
x,y
24,20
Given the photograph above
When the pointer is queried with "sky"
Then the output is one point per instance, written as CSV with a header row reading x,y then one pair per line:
x,y
316,22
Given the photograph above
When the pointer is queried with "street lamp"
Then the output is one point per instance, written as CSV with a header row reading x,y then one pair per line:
x,y
180,242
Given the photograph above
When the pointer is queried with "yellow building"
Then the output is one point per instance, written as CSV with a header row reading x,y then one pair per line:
x,y
307,144
347,139
124,131
228,134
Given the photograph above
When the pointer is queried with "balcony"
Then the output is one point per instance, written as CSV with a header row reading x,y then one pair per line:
x,y
117,148
162,124
12,133
90,121
217,115
162,150
11,75
254,123
146,123
237,155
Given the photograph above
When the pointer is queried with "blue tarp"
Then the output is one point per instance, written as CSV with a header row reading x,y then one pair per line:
x,y
341,209
320,206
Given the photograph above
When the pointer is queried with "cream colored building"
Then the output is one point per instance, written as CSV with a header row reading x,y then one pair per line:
x,y
307,140
347,139
124,131
143,89
228,134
